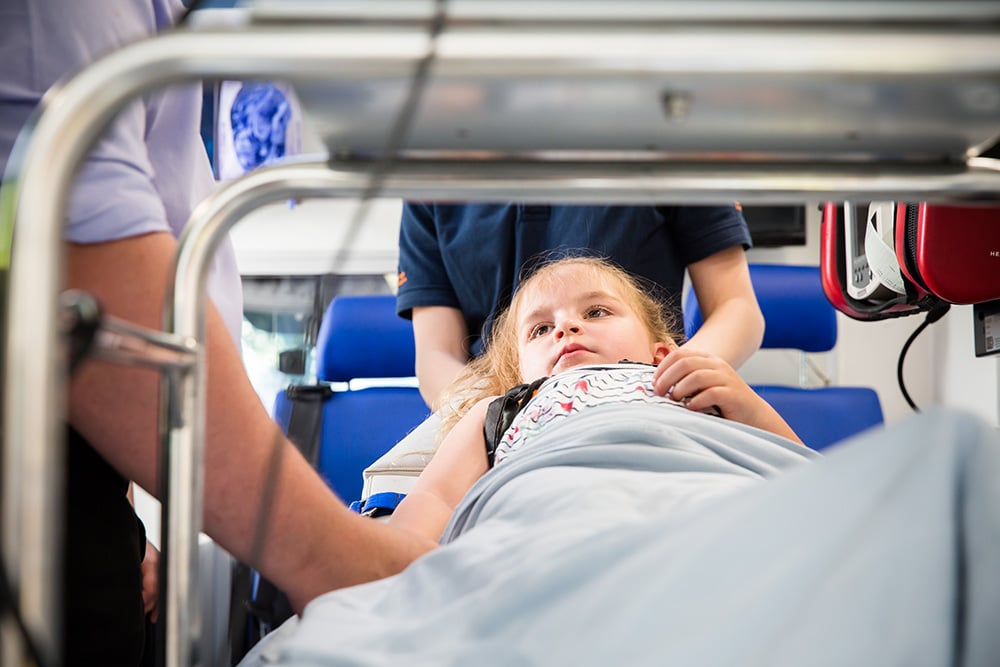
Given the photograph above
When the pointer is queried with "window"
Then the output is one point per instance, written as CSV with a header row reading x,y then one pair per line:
x,y
281,319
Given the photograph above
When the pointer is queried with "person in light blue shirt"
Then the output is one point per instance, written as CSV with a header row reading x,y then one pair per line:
x,y
131,199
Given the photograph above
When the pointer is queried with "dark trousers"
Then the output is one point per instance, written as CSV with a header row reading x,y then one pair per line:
x,y
103,619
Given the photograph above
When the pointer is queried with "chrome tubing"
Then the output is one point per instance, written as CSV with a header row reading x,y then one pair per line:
x,y
500,180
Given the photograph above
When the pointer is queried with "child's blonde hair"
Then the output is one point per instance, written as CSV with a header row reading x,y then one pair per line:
x,y
498,368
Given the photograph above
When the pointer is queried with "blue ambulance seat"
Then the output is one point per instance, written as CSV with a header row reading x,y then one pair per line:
x,y
365,401
362,342
798,316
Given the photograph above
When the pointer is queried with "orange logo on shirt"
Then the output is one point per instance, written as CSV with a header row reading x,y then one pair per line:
x,y
401,279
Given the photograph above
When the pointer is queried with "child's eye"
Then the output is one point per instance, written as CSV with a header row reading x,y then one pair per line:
x,y
539,330
597,311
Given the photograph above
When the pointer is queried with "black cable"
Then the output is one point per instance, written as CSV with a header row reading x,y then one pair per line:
x,y
397,133
380,170
933,315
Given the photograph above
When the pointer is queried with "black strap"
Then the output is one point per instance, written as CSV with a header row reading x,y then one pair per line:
x,y
501,413
242,631
254,613
305,418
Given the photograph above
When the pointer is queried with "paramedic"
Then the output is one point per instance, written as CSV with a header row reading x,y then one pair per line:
x,y
459,264
130,201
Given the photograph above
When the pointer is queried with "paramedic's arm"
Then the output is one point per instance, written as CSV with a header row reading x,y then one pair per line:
x,y
734,325
312,543
440,336
457,464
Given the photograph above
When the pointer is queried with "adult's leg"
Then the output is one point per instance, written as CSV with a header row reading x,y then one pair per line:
x,y
103,621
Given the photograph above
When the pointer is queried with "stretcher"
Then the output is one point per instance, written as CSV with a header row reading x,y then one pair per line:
x,y
773,102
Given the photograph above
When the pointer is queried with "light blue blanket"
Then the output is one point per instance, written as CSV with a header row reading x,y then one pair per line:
x,y
639,535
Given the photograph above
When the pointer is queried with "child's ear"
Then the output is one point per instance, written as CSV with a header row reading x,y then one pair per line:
x,y
661,350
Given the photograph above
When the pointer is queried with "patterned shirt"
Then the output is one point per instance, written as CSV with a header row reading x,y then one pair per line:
x,y
574,390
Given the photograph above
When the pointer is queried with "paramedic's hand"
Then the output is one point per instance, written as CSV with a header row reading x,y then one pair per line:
x,y
150,595
703,381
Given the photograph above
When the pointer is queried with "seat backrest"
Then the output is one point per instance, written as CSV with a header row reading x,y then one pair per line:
x,y
364,343
798,316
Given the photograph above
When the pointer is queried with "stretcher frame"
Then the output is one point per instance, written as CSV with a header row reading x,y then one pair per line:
x,y
433,163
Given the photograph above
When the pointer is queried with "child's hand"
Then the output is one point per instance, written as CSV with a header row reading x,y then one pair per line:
x,y
702,381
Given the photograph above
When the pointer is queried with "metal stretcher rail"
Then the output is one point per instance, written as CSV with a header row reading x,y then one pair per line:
x,y
461,147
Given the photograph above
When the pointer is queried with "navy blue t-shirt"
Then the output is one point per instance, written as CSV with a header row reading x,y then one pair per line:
x,y
470,256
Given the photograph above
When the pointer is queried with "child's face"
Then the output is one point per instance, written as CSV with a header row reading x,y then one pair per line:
x,y
578,319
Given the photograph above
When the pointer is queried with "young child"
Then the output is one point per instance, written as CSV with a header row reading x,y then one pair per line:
x,y
580,332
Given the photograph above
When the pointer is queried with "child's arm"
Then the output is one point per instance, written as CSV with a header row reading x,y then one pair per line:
x,y
702,380
455,467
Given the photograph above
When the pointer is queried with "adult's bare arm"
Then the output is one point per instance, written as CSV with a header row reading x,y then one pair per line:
x,y
311,542
733,324
440,335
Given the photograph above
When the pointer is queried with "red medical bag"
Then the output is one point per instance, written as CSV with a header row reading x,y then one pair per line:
x,y
953,252
888,259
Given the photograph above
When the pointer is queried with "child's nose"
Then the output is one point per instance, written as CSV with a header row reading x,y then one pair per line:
x,y
567,327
